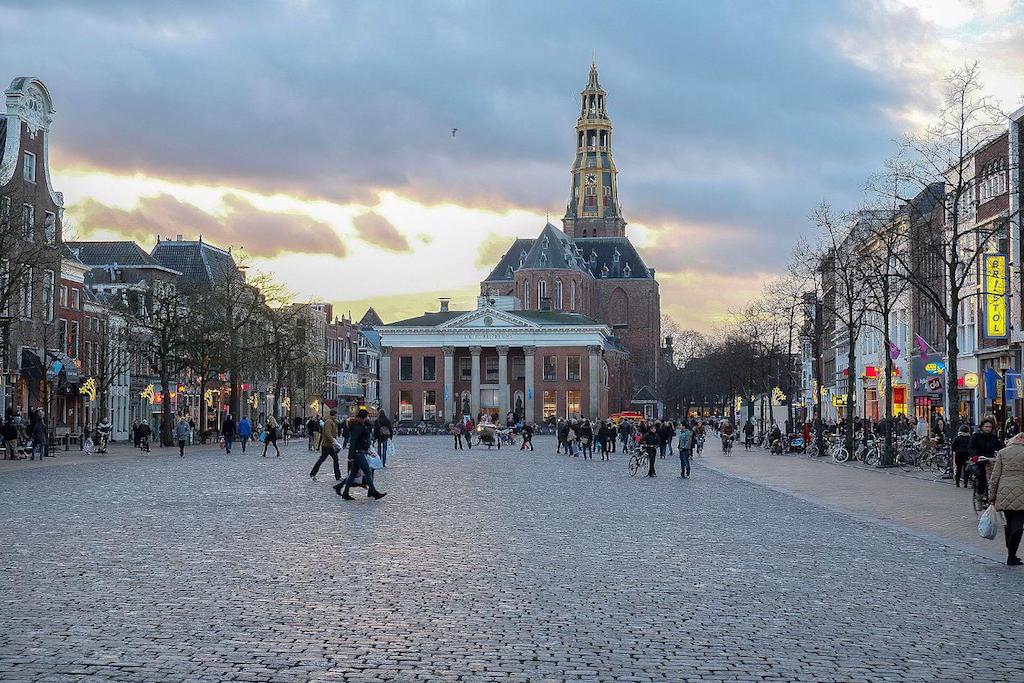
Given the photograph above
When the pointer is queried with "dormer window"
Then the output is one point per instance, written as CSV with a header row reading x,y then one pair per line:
x,y
522,258
604,270
615,256
593,259
510,271
543,258
546,243
627,271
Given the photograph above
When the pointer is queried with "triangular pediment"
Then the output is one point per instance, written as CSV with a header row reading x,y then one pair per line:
x,y
488,317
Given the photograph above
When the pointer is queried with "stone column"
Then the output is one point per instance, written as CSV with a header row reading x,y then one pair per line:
x,y
449,382
474,398
502,381
385,380
528,414
595,380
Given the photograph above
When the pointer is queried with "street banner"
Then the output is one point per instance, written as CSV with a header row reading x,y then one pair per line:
x,y
994,273
991,384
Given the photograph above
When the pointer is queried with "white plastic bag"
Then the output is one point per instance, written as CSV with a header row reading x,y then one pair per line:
x,y
988,525
391,448
374,461
87,447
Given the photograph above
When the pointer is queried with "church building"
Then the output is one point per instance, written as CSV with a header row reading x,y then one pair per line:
x,y
579,298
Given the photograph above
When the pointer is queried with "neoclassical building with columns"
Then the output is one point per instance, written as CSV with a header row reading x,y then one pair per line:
x,y
537,365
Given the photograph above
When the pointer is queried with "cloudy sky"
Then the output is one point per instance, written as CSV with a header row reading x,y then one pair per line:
x,y
316,136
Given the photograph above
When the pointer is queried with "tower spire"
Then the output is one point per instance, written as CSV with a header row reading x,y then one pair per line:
x,y
593,209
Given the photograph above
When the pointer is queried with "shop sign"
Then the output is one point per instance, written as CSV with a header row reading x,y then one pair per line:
x,y
839,401
969,380
994,268
935,367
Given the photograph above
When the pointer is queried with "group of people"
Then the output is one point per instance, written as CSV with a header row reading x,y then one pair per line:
x,y
18,434
356,435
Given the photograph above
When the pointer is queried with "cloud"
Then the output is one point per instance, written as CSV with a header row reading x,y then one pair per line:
x,y
491,250
260,233
374,229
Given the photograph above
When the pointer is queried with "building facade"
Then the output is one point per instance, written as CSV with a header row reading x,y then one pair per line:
x,y
590,267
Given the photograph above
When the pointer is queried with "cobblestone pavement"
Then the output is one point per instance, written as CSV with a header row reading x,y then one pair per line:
x,y
478,566
921,501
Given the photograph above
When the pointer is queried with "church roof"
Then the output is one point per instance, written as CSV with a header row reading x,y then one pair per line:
x,y
520,248
553,250
195,260
599,254
370,318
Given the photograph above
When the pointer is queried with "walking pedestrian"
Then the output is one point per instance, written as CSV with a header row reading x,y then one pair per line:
x,y
10,434
328,448
961,452
748,434
651,442
271,439
1006,492
359,445
467,432
527,437
457,435
383,435
244,432
685,448
38,435
312,429
181,434
606,435
228,431
985,443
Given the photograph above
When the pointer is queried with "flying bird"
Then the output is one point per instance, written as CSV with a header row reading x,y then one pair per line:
x,y
454,131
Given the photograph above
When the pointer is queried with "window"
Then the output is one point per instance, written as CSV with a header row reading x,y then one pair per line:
x,y
405,405
76,302
606,198
63,296
26,294
518,367
558,294
465,367
550,363
429,404
491,369
29,169
550,409
28,217
526,295
73,340
405,368
429,368
542,292
50,227
48,285
572,296
62,341
572,368
572,403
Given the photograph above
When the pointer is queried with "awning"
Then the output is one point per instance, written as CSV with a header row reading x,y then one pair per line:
x,y
62,367
31,365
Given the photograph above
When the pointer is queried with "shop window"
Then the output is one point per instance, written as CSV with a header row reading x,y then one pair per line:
x,y
405,405
429,404
550,408
572,403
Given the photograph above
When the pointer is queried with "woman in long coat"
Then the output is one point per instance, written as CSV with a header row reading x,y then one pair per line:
x,y
1006,492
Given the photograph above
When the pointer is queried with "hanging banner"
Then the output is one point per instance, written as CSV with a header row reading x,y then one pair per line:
x,y
996,310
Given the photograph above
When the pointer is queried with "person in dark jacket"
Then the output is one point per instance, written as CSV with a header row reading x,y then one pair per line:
x,y
382,433
38,436
562,435
527,437
359,439
228,431
961,451
312,429
651,442
985,443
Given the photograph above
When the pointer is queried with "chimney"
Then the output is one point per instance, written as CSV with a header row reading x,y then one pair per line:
x,y
444,304
177,238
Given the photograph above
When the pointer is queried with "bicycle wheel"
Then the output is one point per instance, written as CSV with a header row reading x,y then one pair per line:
x,y
634,464
906,460
811,451
840,454
873,457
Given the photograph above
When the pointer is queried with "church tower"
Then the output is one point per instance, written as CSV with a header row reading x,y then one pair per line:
x,y
593,209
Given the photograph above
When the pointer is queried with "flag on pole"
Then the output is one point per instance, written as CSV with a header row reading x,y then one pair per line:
x,y
894,351
922,346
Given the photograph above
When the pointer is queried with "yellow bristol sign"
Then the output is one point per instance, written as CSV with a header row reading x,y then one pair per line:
x,y
994,269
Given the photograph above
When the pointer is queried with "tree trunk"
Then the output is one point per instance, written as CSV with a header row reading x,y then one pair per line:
x,y
888,458
165,394
851,378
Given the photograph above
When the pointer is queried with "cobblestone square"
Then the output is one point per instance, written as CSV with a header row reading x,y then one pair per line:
x,y
479,565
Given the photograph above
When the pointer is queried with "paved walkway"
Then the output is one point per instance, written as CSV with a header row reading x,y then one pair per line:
x,y
919,501
478,566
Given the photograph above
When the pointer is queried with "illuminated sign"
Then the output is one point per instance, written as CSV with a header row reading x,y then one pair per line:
x,y
969,381
870,372
994,273
935,368
839,401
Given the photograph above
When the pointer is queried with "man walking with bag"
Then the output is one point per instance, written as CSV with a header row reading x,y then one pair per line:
x,y
685,448
327,447
359,445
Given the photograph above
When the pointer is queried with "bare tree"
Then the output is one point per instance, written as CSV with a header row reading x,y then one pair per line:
x,y
943,263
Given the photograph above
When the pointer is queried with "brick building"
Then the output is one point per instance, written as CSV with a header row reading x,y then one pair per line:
x,y
31,215
590,267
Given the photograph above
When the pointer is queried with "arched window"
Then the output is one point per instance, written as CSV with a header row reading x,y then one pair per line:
x,y
558,294
542,293
619,308
526,295
572,295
